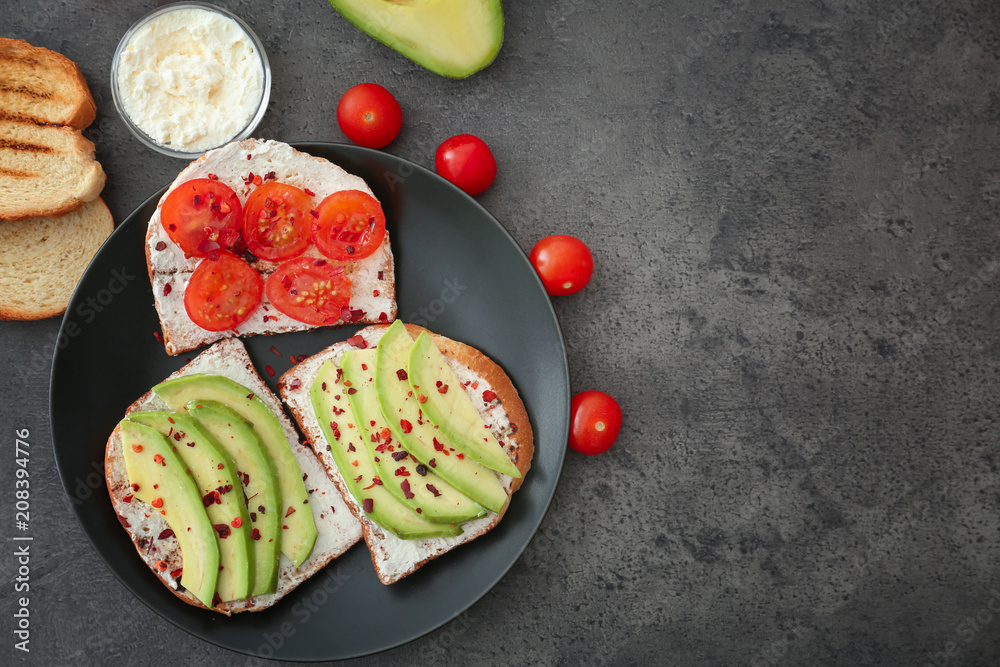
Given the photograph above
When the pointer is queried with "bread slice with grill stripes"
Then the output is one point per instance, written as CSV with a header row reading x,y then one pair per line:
x,y
43,87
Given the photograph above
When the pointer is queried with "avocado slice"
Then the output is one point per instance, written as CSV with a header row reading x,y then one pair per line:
x,y
215,474
298,539
453,38
417,434
449,407
160,478
410,481
333,412
255,470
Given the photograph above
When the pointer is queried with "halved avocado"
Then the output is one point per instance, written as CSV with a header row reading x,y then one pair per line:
x,y
160,478
333,412
449,407
255,468
453,38
214,472
419,436
410,481
298,539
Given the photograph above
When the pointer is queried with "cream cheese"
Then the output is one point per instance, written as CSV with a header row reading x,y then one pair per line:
x,y
190,79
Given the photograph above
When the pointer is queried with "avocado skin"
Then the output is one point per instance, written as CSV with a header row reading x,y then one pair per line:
x,y
300,537
235,551
453,38
328,393
193,530
238,437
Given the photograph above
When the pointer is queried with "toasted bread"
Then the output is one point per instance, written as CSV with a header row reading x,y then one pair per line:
x,y
338,529
395,558
373,288
42,87
45,170
42,259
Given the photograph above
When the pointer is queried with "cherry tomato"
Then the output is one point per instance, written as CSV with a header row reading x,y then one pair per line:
x,y
466,161
276,221
369,115
596,420
309,290
202,216
222,293
350,225
563,262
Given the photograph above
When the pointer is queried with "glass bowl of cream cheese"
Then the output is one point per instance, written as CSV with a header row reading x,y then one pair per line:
x,y
189,77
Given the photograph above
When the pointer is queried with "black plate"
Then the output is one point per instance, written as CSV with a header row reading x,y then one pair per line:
x,y
460,274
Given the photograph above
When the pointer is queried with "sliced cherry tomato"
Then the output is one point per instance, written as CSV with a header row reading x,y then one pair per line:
x,y
276,221
563,262
596,420
369,115
466,161
202,216
309,290
222,293
350,225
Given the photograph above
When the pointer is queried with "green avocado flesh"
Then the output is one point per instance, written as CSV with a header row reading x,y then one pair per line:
x,y
453,38
410,481
255,470
450,408
166,479
298,539
215,475
417,434
333,412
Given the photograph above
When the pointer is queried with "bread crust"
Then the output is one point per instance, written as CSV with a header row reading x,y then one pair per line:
x,y
323,494
82,110
517,435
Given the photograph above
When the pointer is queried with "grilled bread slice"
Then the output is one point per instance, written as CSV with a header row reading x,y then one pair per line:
x,y
45,170
40,86
506,417
373,286
42,259
337,528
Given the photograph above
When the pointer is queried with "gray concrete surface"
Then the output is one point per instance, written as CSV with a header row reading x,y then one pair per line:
x,y
793,208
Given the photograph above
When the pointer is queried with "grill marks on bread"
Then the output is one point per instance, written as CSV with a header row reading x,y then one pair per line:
x,y
43,86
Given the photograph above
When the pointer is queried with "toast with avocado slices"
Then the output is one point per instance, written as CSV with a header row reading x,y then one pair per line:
x,y
418,492
244,167
220,499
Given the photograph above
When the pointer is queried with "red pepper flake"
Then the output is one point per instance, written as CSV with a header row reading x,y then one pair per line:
x,y
177,436
158,336
443,389
364,367
489,396
165,534
437,445
176,573
460,455
237,522
166,289
430,487
161,245
358,478
211,497
295,383
246,479
223,530
358,342
421,398
475,385
422,470
249,156
220,466
433,463
382,317
405,486
290,512
275,350
401,374
401,471
368,505
123,521
136,448
135,487
213,177
216,600
161,565
375,292
255,534
127,499
351,391
375,482
157,503
399,456
380,275
270,371
309,192
405,425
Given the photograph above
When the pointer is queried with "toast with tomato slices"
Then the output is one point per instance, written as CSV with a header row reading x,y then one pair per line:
x,y
337,529
497,402
243,166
